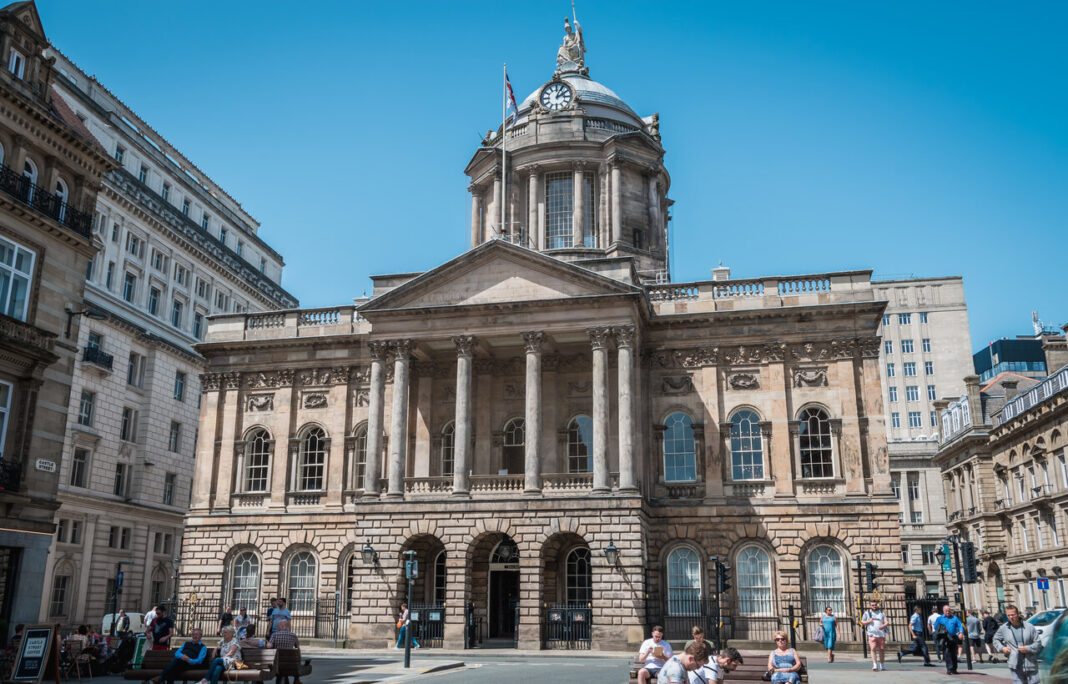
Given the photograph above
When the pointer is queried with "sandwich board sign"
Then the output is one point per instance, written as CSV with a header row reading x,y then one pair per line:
x,y
34,652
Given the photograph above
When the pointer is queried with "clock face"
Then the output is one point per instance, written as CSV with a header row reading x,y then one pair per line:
x,y
556,96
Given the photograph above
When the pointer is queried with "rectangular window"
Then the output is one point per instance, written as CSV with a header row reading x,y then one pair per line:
x,y
928,367
61,530
176,314
120,153
912,393
915,419
134,245
157,543
909,367
222,235
119,488
179,385
124,539
85,408
153,300
202,288
263,265
89,268
559,203
95,341
893,393
240,248
57,603
904,554
895,487
931,394
16,274
166,191
929,551
79,467
113,536
923,317
914,488
142,174
75,531
181,274
174,441
220,301
895,419
889,370
888,346
917,517
934,419
129,287
886,319
906,346
109,281
159,260
16,64
198,325
925,344
185,206
167,539
135,370
168,489
128,427
904,319
115,232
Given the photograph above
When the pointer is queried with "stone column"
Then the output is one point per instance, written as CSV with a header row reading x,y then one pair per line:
x,y
461,443
617,203
625,362
654,212
540,239
375,413
492,223
398,429
599,342
532,417
532,209
579,207
476,215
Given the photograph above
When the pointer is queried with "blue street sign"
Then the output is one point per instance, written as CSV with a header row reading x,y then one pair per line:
x,y
947,564
118,579
1043,583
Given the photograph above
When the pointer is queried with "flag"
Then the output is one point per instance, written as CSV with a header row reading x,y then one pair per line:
x,y
511,110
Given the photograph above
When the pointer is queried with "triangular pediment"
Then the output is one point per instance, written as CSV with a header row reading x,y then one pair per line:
x,y
498,272
26,14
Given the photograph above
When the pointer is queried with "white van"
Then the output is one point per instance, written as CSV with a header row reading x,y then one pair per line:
x,y
137,623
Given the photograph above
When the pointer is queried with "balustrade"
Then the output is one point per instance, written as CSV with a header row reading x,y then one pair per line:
x,y
52,206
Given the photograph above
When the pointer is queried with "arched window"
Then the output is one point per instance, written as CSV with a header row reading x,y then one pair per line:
x,y
29,173
440,579
826,580
680,462
352,581
579,577
302,567
448,436
579,444
514,439
754,582
359,456
245,581
62,196
815,444
505,552
257,460
747,449
2,153
684,582
311,460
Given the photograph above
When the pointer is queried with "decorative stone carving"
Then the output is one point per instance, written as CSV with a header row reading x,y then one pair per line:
x,y
425,369
532,341
483,366
811,351
599,337
677,384
232,381
323,376
810,377
260,402
465,345
314,400
264,379
550,363
514,390
743,381
684,358
624,335
450,391
572,53
870,347
401,348
579,389
378,349
774,351
743,355
210,382
363,396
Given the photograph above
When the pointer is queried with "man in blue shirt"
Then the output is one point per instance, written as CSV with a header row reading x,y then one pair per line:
x,y
919,646
280,613
952,631
191,654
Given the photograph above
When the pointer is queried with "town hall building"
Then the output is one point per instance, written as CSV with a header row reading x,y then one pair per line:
x,y
557,432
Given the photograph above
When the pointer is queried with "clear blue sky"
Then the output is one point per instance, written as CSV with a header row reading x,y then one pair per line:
x,y
912,138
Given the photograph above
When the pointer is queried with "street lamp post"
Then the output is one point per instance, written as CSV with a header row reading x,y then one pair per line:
x,y
941,556
411,571
115,595
177,563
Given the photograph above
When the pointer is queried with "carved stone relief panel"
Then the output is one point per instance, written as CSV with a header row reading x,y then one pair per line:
x,y
810,377
676,384
579,389
259,402
313,400
744,380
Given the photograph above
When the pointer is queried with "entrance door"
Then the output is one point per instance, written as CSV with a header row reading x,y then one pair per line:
x,y
504,603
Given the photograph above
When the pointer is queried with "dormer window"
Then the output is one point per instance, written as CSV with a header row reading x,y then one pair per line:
x,y
16,64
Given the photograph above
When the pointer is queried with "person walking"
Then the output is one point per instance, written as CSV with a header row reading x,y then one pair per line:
x,y
403,625
225,619
975,635
241,622
1020,642
949,629
829,624
990,628
931,619
875,622
919,645
162,630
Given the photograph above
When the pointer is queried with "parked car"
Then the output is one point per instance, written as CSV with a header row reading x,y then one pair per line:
x,y
1044,622
137,623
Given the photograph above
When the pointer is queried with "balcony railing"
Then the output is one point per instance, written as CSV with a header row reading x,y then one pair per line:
x,y
52,206
1055,384
10,475
98,357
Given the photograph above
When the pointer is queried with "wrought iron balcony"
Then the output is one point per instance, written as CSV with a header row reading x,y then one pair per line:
x,y
10,475
954,515
98,357
52,206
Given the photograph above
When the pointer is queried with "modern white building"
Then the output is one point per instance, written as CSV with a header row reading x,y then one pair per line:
x,y
174,249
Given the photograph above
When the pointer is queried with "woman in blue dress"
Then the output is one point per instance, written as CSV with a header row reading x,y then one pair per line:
x,y
783,662
827,622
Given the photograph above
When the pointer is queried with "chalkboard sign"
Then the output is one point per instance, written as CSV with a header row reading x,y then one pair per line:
x,y
34,652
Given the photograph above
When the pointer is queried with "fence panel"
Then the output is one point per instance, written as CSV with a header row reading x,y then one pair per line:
x,y
567,626
320,618
428,622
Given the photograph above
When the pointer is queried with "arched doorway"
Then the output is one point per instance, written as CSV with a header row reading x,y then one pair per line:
x,y
503,599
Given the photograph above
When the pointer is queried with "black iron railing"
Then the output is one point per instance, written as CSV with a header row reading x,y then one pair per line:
x,y
52,206
567,626
428,624
10,475
97,356
320,618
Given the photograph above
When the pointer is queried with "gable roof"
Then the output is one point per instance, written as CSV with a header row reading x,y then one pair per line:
x,y
498,272
26,12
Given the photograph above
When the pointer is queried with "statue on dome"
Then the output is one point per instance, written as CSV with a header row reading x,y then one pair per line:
x,y
572,53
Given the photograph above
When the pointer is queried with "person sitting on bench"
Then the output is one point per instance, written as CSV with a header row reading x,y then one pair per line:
x,y
653,654
191,654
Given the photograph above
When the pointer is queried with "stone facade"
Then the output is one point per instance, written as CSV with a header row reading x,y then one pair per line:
x,y
49,180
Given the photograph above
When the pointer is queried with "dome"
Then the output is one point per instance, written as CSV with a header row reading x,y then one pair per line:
x,y
589,92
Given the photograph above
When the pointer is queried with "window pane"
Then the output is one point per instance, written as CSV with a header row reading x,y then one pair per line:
x,y
684,582
825,580
754,582
246,582
580,445
302,583
747,458
579,577
815,440
257,461
559,198
679,452
312,460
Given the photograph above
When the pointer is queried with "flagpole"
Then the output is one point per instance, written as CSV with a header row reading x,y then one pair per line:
x,y
504,138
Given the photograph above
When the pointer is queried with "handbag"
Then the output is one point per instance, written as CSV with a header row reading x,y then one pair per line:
x,y
400,623
818,635
767,676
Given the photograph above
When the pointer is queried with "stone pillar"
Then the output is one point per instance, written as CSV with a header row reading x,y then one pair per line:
x,y
375,413
780,457
617,203
205,447
398,429
578,213
540,240
476,216
625,363
599,342
492,222
532,209
654,212
461,443
532,417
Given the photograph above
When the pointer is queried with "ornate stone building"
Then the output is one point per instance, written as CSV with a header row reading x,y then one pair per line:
x,y
516,413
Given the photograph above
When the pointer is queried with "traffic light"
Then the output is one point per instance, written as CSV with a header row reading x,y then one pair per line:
x,y
723,577
967,562
870,575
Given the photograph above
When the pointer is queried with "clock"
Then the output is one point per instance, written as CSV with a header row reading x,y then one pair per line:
x,y
556,96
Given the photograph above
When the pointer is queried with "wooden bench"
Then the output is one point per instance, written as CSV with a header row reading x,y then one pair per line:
x,y
262,666
752,671
290,665
153,663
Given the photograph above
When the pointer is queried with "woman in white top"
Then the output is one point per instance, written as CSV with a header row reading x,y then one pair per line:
x,y
229,652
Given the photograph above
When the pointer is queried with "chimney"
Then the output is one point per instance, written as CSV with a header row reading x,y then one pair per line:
x,y
1056,351
1010,389
975,402
721,272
